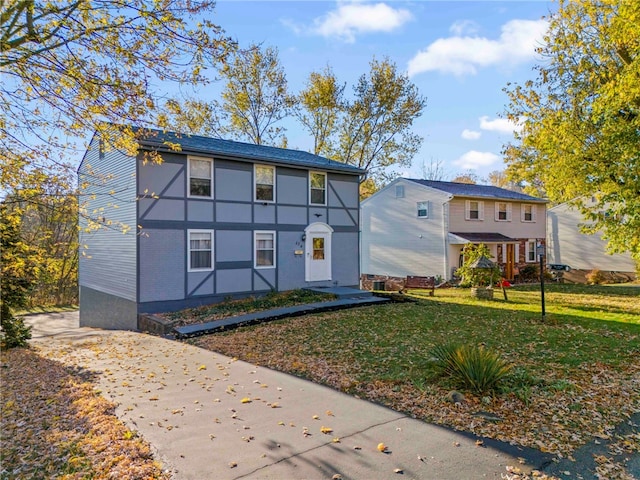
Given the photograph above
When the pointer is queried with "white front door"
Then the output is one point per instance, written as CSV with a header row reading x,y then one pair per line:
x,y
318,252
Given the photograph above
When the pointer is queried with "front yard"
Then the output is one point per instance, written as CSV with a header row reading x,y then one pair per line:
x,y
573,377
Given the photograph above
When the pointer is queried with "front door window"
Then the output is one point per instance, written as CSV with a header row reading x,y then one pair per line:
x,y
318,248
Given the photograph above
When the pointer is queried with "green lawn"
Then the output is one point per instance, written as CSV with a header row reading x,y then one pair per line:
x,y
572,376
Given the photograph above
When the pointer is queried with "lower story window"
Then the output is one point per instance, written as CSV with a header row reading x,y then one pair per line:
x,y
265,244
200,250
530,250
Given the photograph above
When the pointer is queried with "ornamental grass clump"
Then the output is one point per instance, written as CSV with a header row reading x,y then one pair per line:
x,y
473,367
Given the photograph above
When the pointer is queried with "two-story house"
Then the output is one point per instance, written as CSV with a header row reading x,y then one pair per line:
x,y
568,245
420,227
217,219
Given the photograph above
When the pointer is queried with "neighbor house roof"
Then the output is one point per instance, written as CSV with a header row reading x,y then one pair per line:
x,y
195,144
472,190
459,238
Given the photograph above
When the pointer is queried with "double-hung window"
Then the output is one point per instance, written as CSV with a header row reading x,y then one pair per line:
x,y
528,212
503,212
265,246
317,188
265,183
200,172
423,209
530,250
474,210
200,250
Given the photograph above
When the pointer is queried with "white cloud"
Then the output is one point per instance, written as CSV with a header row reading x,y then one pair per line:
x,y
473,160
461,27
353,18
464,55
501,125
470,134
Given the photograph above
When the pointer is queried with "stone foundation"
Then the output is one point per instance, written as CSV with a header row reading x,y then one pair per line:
x,y
155,324
391,284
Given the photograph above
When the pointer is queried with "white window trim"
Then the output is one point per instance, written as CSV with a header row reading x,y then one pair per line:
x,y
533,212
213,260
527,250
467,211
418,209
255,182
255,249
208,159
326,187
497,212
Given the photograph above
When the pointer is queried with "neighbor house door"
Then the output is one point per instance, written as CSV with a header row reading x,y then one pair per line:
x,y
318,252
508,267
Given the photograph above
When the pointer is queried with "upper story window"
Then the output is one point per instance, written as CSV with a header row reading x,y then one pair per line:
x,y
265,183
528,213
265,247
503,212
474,210
200,177
317,188
200,250
423,209
399,191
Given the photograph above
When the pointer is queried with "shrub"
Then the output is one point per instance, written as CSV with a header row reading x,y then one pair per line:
x,y
13,331
595,277
471,366
529,273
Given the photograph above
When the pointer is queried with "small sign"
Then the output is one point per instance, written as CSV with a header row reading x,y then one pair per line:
x,y
298,252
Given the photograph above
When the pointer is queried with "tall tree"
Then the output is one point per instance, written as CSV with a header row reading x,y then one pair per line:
x,y
71,67
466,177
255,96
581,118
499,178
376,130
321,105
433,171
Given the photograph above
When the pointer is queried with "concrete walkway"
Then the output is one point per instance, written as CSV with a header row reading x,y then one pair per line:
x,y
209,416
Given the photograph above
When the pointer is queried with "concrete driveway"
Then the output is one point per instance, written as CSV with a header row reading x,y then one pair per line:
x,y
211,416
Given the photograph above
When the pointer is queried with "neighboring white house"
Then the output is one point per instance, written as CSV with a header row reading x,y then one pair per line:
x,y
568,245
419,227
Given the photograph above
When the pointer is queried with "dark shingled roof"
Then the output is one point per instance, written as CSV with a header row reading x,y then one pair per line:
x,y
471,190
160,140
484,237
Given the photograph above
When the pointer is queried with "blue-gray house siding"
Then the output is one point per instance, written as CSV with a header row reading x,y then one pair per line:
x,y
108,263
155,258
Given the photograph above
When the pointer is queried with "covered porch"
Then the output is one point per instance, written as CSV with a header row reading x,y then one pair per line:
x,y
504,250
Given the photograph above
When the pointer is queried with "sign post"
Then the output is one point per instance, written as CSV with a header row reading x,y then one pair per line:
x,y
541,254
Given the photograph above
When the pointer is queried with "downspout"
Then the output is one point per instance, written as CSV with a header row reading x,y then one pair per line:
x,y
445,236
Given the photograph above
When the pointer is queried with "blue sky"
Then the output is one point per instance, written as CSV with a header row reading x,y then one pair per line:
x,y
460,54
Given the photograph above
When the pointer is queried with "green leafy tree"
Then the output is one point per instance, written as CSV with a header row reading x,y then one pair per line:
x,y
475,277
375,132
580,118
255,97
321,105
18,265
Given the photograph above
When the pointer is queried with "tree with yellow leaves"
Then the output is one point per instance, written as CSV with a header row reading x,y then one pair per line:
x,y
581,118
